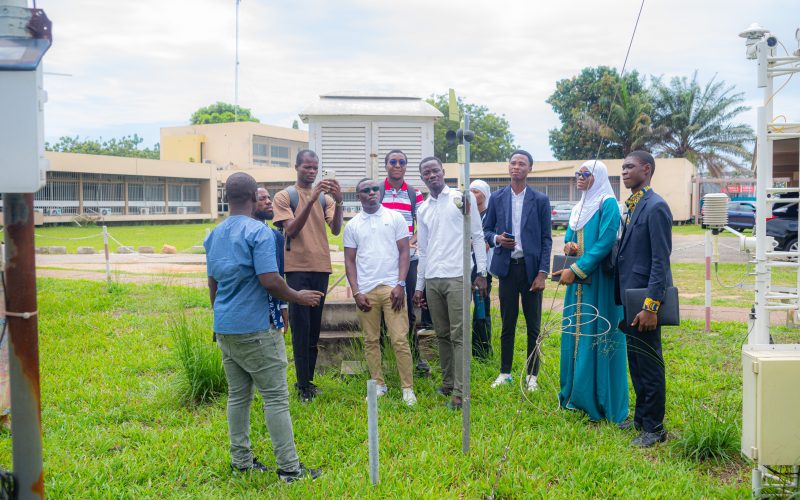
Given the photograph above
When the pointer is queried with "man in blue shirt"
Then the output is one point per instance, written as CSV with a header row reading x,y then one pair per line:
x,y
242,275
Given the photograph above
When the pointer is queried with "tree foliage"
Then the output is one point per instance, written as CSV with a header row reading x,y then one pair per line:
x,y
697,123
628,126
682,119
128,145
222,112
493,138
586,99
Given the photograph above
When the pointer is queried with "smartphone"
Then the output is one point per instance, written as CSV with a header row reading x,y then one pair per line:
x,y
328,174
509,235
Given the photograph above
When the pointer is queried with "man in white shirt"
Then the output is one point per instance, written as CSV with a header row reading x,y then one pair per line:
x,y
376,258
440,240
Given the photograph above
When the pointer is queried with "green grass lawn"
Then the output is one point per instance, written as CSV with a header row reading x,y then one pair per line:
x,y
113,429
181,236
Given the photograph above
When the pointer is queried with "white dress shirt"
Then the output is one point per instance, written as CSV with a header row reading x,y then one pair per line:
x,y
375,237
440,237
516,221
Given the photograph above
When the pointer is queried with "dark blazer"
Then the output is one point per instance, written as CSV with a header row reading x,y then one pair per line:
x,y
643,258
536,239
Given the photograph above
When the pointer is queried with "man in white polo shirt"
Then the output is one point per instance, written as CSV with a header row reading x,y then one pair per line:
x,y
376,258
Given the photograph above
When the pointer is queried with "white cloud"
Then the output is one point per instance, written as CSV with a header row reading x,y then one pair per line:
x,y
138,64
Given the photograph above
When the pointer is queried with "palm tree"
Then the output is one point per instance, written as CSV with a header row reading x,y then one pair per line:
x,y
697,124
629,126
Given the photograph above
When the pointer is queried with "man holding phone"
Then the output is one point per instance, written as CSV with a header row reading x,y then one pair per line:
x,y
517,225
303,210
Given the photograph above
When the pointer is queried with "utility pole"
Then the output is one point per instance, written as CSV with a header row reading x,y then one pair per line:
x,y
236,69
25,35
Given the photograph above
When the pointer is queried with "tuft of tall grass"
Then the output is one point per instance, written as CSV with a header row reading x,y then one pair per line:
x,y
201,377
709,435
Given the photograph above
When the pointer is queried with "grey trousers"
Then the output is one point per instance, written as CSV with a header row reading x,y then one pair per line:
x,y
445,303
258,359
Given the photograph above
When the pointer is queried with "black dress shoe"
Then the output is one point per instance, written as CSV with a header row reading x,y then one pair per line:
x,y
256,466
301,473
444,391
423,368
648,439
629,424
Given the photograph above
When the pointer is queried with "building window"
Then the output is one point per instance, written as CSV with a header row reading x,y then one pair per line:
x,y
260,162
279,152
279,163
259,149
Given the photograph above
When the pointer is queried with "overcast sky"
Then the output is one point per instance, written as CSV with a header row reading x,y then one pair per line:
x,y
138,65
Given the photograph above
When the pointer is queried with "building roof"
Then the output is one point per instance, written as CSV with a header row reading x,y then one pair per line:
x,y
117,165
361,103
286,133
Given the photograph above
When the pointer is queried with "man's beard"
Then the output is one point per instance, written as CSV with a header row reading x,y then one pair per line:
x,y
264,214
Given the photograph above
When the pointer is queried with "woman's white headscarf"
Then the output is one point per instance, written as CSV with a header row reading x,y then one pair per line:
x,y
483,187
592,199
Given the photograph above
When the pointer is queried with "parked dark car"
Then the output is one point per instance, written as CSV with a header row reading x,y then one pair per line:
x,y
783,227
560,214
741,214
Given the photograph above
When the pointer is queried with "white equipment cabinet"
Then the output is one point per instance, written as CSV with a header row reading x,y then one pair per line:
x,y
771,383
353,131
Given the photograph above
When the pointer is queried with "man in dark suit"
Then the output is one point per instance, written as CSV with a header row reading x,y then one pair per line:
x,y
517,225
643,262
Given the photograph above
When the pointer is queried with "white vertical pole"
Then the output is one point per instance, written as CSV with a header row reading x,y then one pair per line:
x,y
105,249
760,332
372,430
236,79
467,299
708,281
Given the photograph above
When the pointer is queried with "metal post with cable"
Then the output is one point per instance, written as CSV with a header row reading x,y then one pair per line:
x,y
467,296
25,35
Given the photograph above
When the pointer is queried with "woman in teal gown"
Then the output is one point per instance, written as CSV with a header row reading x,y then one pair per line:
x,y
594,374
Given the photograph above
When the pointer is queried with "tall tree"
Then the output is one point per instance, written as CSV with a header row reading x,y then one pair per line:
x,y
698,124
493,138
295,125
222,112
588,95
629,126
128,145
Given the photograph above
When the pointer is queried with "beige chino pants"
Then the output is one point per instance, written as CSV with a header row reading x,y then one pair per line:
x,y
396,329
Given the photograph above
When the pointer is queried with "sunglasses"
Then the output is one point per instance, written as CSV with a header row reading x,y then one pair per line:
x,y
585,175
367,190
394,163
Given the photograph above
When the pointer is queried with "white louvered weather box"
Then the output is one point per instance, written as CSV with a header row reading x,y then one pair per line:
x,y
353,131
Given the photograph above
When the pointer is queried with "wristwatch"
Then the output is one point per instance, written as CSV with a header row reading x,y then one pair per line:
x,y
401,283
483,274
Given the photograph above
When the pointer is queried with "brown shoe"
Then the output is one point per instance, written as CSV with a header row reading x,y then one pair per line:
x,y
456,403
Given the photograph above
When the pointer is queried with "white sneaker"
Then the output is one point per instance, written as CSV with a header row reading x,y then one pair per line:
x,y
503,378
409,398
530,382
381,390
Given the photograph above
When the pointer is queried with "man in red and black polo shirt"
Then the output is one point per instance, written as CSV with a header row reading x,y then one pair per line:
x,y
404,199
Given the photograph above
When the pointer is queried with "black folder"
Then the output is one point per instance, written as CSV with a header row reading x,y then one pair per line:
x,y
669,314
563,262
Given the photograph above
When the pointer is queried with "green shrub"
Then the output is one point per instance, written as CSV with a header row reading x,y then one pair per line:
x,y
201,377
709,434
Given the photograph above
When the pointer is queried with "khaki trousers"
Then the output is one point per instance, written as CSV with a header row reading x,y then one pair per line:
x,y
396,329
445,303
